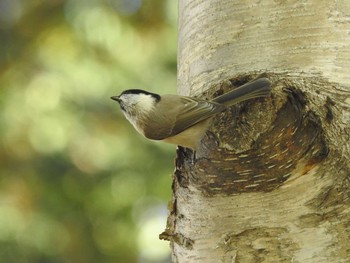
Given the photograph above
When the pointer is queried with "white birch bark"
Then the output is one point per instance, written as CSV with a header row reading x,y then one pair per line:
x,y
277,191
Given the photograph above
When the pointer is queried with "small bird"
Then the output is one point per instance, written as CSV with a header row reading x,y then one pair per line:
x,y
181,120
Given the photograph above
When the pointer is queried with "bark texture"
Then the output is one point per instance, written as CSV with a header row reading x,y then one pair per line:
x,y
271,180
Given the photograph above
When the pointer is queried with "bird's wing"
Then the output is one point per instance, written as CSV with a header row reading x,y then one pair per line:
x,y
193,111
184,113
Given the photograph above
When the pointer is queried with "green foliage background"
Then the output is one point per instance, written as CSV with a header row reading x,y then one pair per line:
x,y
77,183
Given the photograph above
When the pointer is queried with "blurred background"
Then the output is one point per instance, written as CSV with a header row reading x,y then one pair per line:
x,y
77,183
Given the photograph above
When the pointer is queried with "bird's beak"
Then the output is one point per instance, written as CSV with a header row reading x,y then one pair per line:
x,y
116,98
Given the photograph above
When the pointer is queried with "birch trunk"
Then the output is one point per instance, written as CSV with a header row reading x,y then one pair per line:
x,y
271,181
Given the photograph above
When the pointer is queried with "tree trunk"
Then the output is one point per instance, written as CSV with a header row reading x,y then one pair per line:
x,y
271,180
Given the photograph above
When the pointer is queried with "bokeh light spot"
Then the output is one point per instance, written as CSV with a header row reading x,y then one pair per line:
x,y
152,249
47,135
11,222
127,189
43,93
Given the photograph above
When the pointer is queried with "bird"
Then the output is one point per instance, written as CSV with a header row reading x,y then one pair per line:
x,y
182,120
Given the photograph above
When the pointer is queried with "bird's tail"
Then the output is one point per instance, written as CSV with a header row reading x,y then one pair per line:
x,y
253,89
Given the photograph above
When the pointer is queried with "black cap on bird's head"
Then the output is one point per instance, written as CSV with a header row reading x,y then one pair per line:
x,y
136,99
136,91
